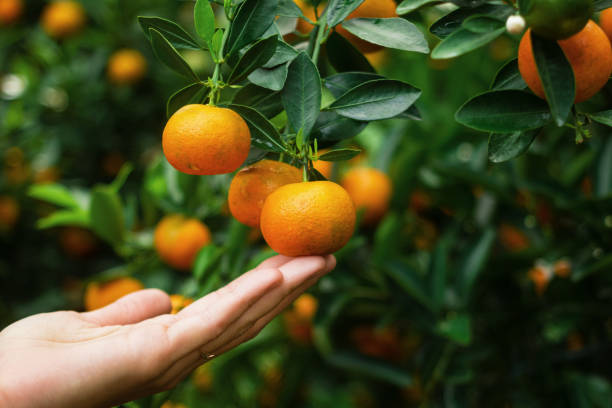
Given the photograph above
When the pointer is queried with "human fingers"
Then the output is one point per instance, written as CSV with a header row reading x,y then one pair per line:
x,y
210,316
274,262
132,308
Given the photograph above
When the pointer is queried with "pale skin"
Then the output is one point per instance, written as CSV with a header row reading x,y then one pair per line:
x,y
133,347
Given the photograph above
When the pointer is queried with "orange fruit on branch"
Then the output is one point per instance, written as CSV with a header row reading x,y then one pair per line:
x,y
98,294
589,53
253,184
605,22
368,9
178,240
206,140
61,19
558,19
126,67
311,218
370,189
10,11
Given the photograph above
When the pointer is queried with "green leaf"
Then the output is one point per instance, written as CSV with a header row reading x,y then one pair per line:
x,y
204,20
284,53
504,147
263,100
338,10
457,328
216,43
288,8
121,178
206,260
509,77
301,95
408,280
339,84
339,155
54,194
475,261
601,5
255,57
175,34
603,185
375,100
397,33
382,371
254,17
331,127
439,272
106,215
263,133
170,56
75,217
270,78
604,117
344,57
190,94
482,24
557,77
453,21
505,111
463,41
408,6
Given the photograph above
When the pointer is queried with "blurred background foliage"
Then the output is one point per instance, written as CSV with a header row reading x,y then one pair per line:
x,y
484,284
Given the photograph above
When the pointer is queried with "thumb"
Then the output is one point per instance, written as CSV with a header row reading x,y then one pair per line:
x,y
132,308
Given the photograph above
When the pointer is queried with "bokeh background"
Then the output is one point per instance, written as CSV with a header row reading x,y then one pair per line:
x,y
484,285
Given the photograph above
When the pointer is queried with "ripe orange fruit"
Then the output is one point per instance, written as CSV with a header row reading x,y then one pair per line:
x,y
589,53
126,67
370,189
324,167
314,218
305,306
98,294
368,9
9,212
10,11
206,140
179,302
77,242
605,22
178,240
253,184
61,19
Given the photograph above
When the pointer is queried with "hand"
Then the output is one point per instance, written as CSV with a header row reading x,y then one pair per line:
x,y
133,347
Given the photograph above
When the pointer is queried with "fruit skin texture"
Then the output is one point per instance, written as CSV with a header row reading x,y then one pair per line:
x,y
589,53
10,11
605,22
312,218
62,19
206,140
126,67
370,189
558,19
98,295
368,9
178,240
253,184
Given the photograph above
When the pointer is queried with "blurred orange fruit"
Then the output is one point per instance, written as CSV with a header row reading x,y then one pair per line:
x,y
562,268
298,319
112,163
370,189
203,378
324,167
368,9
179,302
605,22
377,342
253,184
540,276
126,67
47,175
378,59
10,11
512,238
305,306
100,294
590,54
313,218
178,240
77,242
170,404
206,140
9,212
62,19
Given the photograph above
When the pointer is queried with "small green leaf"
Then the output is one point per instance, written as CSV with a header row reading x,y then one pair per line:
x,y
263,133
270,78
408,6
338,10
375,100
409,281
509,77
175,34
344,57
205,261
284,53
504,111
474,262
216,43
504,147
382,371
457,328
106,215
604,117
204,20
170,56
254,17
76,217
255,57
557,77
301,95
601,5
339,84
463,41
189,94
453,21
339,155
331,127
54,194
482,24
288,8
397,33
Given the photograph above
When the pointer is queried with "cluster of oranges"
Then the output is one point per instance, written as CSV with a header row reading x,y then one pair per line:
x,y
587,49
543,272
